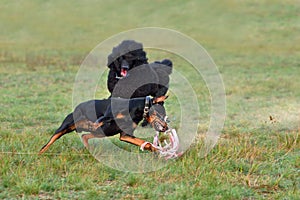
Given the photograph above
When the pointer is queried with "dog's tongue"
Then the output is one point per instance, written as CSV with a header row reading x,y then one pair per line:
x,y
123,72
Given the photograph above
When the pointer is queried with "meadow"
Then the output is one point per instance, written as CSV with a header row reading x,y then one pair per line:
x,y
255,45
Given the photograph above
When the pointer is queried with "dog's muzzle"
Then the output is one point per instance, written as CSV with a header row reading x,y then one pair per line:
x,y
159,125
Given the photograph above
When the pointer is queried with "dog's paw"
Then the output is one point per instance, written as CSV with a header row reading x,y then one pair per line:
x,y
148,146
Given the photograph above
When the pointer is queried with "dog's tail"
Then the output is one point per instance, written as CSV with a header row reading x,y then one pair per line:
x,y
67,126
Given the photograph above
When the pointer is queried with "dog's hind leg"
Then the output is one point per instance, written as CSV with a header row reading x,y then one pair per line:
x,y
68,126
89,126
56,136
86,137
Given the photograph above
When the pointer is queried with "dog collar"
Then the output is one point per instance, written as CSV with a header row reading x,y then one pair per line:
x,y
147,105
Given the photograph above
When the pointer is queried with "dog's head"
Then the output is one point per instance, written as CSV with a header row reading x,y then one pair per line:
x,y
156,115
127,55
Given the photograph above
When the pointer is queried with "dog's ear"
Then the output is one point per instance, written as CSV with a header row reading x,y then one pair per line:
x,y
159,99
110,66
169,66
110,60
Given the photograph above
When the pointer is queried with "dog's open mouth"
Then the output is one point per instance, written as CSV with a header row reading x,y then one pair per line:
x,y
124,72
124,68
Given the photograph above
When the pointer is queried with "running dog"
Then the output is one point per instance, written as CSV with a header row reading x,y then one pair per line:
x,y
108,117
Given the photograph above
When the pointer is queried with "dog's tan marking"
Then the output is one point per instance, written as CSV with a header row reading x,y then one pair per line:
x,y
97,125
119,116
159,99
88,125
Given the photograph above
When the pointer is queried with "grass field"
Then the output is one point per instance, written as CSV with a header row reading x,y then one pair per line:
x,y
255,45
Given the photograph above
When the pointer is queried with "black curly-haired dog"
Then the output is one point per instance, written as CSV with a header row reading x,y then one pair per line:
x,y
130,75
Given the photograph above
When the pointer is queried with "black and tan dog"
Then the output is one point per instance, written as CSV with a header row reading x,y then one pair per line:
x,y
108,117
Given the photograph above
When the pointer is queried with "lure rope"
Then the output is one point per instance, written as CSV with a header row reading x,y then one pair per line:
x,y
168,150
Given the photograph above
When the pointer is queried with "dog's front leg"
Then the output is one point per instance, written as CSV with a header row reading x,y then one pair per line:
x,y
85,138
137,141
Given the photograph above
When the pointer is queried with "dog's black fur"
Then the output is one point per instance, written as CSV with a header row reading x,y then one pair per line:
x,y
140,78
116,116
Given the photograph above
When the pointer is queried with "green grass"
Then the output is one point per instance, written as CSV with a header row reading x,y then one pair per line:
x,y
253,43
